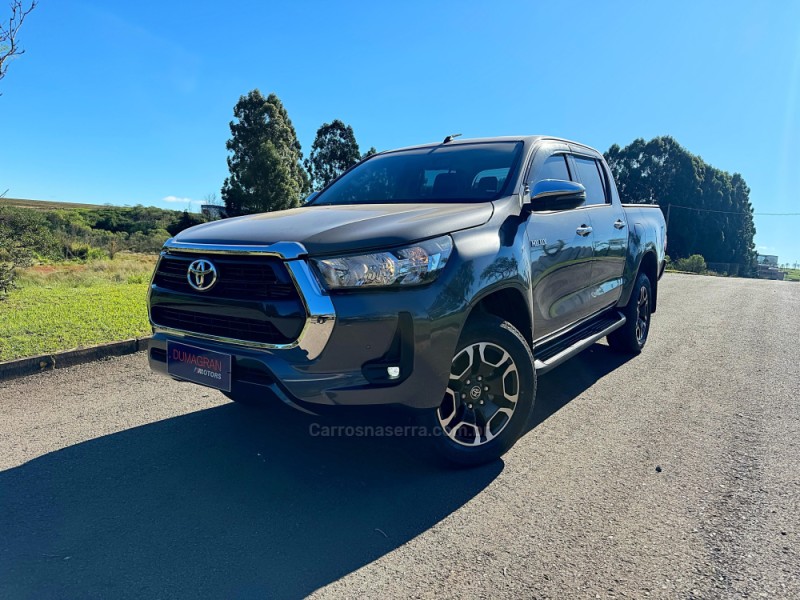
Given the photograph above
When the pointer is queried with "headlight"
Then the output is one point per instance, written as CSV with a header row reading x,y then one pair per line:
x,y
412,265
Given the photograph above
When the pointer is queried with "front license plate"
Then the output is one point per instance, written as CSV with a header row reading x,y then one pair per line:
x,y
198,365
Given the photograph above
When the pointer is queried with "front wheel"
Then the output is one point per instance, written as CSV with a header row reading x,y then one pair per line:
x,y
489,397
631,337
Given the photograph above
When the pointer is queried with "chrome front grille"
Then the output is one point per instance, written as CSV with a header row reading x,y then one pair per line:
x,y
285,296
239,277
254,299
255,330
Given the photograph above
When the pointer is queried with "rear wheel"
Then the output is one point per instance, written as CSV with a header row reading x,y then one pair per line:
x,y
489,397
631,337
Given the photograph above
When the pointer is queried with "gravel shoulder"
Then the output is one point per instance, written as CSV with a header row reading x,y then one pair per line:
x,y
672,474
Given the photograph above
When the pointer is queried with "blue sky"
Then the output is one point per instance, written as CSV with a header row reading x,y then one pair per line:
x,y
129,102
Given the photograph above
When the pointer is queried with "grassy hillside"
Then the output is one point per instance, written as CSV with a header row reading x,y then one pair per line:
x,y
46,204
55,231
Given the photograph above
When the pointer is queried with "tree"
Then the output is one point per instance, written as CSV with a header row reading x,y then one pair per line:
x,y
265,169
334,151
24,233
9,45
212,199
369,153
709,209
185,221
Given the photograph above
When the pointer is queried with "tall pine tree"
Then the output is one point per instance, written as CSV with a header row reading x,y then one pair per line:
x,y
266,173
334,151
711,212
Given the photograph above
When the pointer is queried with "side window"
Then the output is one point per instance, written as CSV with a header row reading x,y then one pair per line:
x,y
589,174
554,167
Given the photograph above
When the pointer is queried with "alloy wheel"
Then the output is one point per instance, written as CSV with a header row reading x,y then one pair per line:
x,y
482,394
642,315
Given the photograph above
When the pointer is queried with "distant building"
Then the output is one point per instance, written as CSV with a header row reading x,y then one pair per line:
x,y
212,212
769,260
765,272
768,267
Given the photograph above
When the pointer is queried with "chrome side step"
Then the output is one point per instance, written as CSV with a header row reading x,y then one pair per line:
x,y
592,335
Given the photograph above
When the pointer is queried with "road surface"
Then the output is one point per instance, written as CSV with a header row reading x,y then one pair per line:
x,y
672,474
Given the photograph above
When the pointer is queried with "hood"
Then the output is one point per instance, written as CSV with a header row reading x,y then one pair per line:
x,y
335,229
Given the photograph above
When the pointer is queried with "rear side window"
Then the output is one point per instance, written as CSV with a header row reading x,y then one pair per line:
x,y
554,167
589,175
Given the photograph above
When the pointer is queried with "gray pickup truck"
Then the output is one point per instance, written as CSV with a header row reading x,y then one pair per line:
x,y
443,277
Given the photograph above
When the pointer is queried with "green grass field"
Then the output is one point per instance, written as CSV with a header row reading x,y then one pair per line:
x,y
793,275
59,307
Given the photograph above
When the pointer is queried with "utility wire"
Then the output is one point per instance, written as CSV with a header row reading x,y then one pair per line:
x,y
726,212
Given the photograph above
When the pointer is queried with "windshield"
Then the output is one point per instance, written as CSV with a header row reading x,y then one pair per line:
x,y
456,173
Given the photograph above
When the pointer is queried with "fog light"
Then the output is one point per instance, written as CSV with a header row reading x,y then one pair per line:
x,y
393,372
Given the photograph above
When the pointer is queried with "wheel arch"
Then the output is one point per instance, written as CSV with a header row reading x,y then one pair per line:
x,y
649,266
508,303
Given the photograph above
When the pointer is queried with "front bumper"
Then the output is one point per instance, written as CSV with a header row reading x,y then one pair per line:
x,y
350,339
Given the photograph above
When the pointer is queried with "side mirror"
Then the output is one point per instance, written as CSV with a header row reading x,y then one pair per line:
x,y
556,194
310,197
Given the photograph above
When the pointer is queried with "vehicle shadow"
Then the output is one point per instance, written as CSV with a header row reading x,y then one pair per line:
x,y
563,384
236,502
225,502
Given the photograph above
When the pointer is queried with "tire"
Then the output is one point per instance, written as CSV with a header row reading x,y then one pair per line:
x,y
479,420
631,337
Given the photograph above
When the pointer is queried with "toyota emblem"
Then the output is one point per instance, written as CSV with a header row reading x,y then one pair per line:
x,y
202,275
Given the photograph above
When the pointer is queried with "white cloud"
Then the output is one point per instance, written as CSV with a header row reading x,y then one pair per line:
x,y
183,202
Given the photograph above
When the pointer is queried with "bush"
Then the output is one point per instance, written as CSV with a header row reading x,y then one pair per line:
x,y
6,278
694,264
28,229
22,234
147,243
85,252
10,259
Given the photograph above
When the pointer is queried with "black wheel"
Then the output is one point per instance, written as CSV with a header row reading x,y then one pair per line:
x,y
490,395
632,336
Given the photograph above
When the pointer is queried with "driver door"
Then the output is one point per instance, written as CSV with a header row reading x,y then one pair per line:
x,y
561,251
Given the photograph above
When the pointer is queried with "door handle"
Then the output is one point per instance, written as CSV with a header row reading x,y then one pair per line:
x,y
583,230
619,223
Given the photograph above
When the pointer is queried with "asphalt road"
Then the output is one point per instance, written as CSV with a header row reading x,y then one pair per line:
x,y
672,474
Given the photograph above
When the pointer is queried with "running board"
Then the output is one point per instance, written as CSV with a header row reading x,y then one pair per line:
x,y
556,352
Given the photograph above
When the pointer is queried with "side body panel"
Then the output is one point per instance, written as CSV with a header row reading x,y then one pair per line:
x,y
646,234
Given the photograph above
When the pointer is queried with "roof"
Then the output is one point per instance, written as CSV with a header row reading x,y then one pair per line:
x,y
527,139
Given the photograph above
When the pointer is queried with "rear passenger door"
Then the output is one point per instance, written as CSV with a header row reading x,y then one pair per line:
x,y
609,227
560,251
